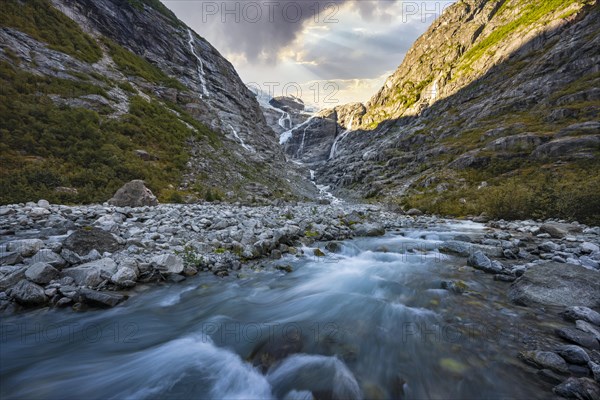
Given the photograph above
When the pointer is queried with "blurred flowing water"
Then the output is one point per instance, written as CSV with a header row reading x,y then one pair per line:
x,y
369,322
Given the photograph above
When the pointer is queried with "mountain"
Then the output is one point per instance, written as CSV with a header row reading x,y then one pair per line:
x,y
97,93
494,109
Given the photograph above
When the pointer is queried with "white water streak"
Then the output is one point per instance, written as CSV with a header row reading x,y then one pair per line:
x,y
239,138
200,66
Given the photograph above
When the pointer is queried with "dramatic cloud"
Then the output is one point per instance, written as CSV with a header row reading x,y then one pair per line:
x,y
308,41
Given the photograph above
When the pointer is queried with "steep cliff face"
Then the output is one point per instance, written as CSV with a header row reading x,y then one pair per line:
x,y
498,103
140,80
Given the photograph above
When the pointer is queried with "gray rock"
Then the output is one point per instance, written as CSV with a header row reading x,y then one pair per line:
x,y
369,230
581,338
595,368
456,247
549,247
133,194
414,212
582,313
557,284
478,260
585,326
545,360
10,258
25,247
578,388
49,257
101,299
83,241
124,277
43,204
573,354
41,273
28,294
93,273
12,278
558,230
168,263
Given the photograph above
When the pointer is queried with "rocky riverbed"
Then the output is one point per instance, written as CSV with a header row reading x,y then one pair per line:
x,y
98,256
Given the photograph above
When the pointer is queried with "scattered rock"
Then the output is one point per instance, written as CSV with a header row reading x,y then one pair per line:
x,y
133,194
578,388
47,256
573,354
25,247
83,241
582,313
368,230
41,273
28,294
579,337
101,299
414,212
545,360
478,260
168,263
93,273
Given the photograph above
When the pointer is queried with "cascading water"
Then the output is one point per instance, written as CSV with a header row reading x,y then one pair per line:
x,y
200,65
370,320
341,137
239,138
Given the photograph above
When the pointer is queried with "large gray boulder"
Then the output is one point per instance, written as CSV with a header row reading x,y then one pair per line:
x,y
25,247
168,263
101,299
41,273
133,194
93,273
28,294
557,284
83,241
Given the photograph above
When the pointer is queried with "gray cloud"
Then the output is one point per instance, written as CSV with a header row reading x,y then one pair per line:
x,y
259,29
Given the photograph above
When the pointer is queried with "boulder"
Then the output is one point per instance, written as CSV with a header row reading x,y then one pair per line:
x,y
545,360
93,273
582,313
10,258
557,284
558,230
25,247
41,273
125,277
47,256
12,278
578,388
573,354
28,294
83,241
581,338
369,230
101,299
414,212
478,260
133,194
168,263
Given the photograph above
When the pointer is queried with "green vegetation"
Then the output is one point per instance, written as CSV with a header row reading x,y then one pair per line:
x,y
569,192
40,20
132,64
45,147
190,257
532,13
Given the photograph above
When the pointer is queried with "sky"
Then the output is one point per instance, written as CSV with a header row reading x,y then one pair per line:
x,y
327,53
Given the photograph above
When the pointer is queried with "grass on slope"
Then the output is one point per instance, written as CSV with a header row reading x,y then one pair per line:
x,y
158,6
44,146
43,22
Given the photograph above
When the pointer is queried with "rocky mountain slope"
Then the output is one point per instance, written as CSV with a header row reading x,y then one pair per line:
x,y
99,93
495,109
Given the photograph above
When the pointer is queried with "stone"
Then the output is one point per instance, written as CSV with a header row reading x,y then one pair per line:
x,y
93,273
333,247
581,338
558,230
582,313
578,388
556,284
456,247
42,273
43,204
168,263
595,368
545,360
125,277
101,299
12,278
368,230
585,326
10,258
414,212
49,257
550,376
28,294
25,247
480,261
573,354
83,241
133,194
549,247
587,248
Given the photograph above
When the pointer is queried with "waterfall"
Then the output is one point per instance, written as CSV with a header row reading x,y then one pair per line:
x,y
200,66
341,137
239,138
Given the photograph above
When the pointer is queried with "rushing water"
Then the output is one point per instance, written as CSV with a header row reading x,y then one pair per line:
x,y
371,321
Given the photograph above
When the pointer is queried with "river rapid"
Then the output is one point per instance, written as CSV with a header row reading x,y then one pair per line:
x,y
372,320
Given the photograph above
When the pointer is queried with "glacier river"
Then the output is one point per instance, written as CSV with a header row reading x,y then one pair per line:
x,y
370,321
